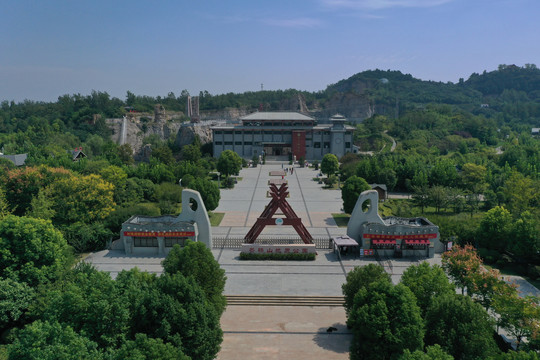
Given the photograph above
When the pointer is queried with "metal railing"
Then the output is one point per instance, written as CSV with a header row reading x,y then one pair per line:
x,y
235,242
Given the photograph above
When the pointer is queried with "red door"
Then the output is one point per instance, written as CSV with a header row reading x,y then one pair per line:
x,y
299,144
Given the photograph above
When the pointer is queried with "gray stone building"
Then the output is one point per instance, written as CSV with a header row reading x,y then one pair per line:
x,y
392,236
156,235
284,134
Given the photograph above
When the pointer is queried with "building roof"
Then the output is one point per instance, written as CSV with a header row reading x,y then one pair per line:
x,y
279,115
382,186
18,159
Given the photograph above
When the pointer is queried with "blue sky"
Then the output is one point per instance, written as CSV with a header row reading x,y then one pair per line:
x,y
53,47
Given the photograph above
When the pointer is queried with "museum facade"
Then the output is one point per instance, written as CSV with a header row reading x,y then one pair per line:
x,y
284,135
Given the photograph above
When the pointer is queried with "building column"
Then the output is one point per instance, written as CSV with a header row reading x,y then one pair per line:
x,y
161,245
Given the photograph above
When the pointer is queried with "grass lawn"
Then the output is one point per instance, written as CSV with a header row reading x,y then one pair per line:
x,y
341,219
215,218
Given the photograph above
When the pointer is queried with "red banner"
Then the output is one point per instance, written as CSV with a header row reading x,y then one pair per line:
x,y
395,237
159,233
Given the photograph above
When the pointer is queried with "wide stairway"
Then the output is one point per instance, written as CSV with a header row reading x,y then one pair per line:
x,y
282,300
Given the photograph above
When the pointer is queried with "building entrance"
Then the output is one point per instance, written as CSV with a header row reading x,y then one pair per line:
x,y
277,149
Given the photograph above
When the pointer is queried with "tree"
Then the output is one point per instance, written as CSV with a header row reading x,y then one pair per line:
x,y
420,196
438,197
31,250
229,163
361,277
443,173
144,347
525,231
352,188
494,231
209,192
91,303
50,341
4,207
459,263
474,177
329,164
460,326
125,153
172,308
191,152
519,316
385,321
196,260
41,207
15,299
426,283
486,284
81,198
516,355
520,191
434,352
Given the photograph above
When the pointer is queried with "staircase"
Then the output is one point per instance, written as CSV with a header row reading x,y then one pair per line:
x,y
279,300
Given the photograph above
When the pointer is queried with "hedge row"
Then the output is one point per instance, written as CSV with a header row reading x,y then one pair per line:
x,y
274,256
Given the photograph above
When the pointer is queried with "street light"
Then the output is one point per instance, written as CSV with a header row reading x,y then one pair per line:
x,y
218,183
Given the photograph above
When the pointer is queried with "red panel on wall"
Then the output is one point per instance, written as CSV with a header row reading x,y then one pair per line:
x,y
299,144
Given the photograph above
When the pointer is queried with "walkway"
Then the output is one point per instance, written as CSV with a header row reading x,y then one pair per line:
x,y
313,204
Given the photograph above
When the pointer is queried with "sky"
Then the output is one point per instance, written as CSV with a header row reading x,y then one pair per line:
x,y
52,48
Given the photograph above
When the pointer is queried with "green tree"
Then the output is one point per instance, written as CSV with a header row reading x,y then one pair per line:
x,y
525,232
4,206
81,198
352,188
385,321
196,260
438,197
209,192
443,173
15,299
434,352
426,283
229,163
41,207
494,231
91,303
460,326
31,250
191,152
144,347
174,309
49,341
361,277
519,316
516,355
329,164
519,191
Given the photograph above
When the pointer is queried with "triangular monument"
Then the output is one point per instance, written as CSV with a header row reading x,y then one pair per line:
x,y
279,201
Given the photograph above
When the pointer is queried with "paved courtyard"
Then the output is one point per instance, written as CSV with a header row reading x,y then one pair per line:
x,y
313,204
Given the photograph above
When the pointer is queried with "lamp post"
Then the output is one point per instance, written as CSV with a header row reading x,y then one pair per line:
x,y
218,183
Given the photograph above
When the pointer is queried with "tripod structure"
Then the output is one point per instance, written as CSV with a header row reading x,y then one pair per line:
x,y
279,201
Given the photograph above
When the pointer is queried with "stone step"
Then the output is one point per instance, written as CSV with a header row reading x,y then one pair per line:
x,y
279,300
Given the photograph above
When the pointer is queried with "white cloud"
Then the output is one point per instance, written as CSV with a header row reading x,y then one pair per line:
x,y
294,23
381,4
